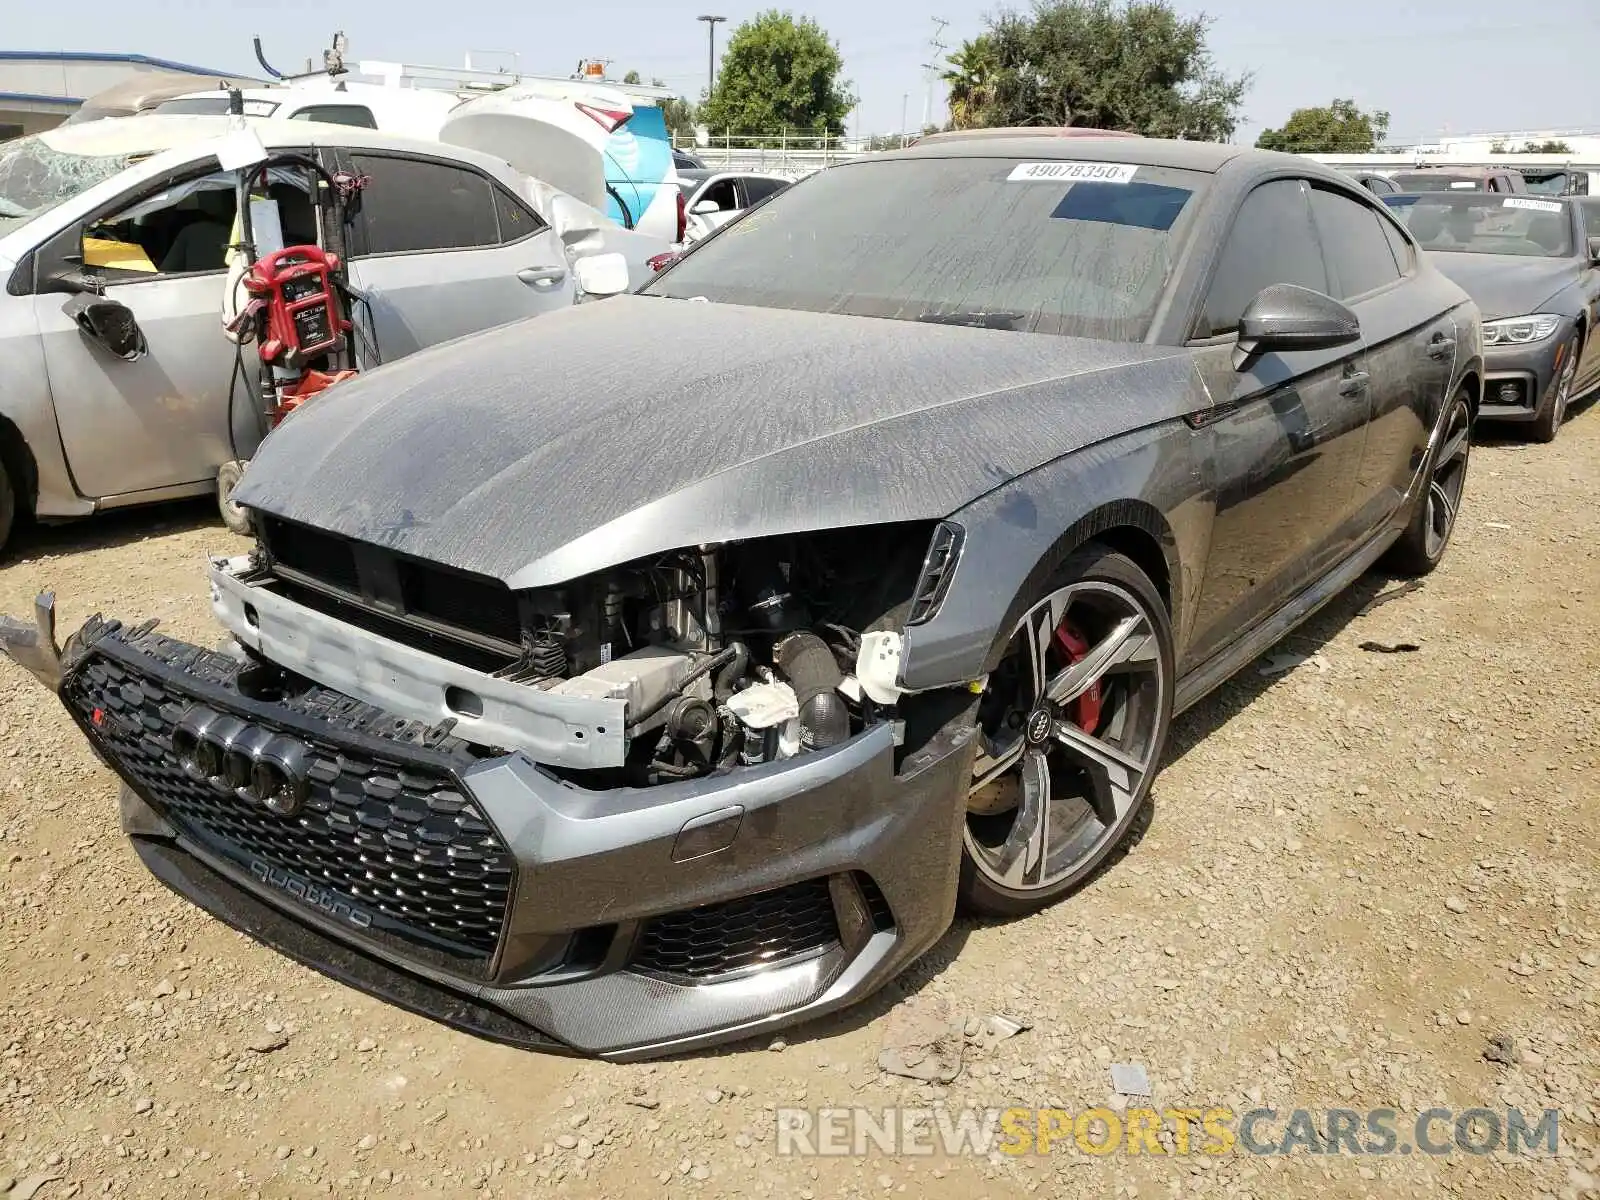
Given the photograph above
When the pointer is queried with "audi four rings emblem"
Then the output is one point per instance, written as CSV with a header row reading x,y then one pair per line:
x,y
255,764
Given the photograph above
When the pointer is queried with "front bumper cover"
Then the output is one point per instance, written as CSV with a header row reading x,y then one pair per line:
x,y
595,876
1531,367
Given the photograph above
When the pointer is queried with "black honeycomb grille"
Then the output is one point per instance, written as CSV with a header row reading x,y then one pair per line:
x,y
740,935
394,842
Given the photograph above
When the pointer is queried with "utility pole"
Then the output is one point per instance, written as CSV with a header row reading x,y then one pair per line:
x,y
711,51
905,98
938,47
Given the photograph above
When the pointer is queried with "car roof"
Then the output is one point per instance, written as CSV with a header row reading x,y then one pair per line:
x,y
1136,151
732,173
1011,131
154,133
326,91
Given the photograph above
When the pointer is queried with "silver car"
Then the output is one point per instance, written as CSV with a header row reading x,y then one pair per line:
x,y
717,198
442,242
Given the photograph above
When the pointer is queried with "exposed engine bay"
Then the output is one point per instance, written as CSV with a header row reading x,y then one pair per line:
x,y
721,656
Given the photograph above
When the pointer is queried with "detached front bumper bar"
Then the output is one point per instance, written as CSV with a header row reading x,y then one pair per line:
x,y
33,647
482,890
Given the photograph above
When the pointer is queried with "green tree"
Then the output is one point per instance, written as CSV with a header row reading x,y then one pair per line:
x,y
1340,128
778,74
631,77
1136,66
678,114
1553,146
970,80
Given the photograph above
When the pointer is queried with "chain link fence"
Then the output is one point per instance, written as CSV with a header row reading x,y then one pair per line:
x,y
786,154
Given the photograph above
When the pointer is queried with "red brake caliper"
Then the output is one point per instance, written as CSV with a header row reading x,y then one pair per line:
x,y
1084,712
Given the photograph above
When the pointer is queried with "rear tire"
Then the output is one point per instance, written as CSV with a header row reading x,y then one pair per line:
x,y
8,506
1548,423
1433,516
1072,726
235,517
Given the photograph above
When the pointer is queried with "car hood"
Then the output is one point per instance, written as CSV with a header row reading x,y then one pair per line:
x,y
1504,285
547,449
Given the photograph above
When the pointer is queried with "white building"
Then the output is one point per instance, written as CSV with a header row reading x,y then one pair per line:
x,y
1583,143
40,89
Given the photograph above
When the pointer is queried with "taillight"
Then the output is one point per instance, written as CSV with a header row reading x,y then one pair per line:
x,y
683,215
660,262
609,119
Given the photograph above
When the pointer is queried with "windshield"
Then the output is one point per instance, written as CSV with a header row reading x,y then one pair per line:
x,y
34,178
1058,247
1480,223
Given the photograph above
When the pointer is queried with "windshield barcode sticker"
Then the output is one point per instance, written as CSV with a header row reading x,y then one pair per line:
x,y
1536,205
1072,172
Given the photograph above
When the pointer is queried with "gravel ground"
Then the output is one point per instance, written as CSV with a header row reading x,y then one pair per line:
x,y
1358,873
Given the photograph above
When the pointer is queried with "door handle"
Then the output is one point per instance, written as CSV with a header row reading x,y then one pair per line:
x,y
1440,345
1354,383
542,277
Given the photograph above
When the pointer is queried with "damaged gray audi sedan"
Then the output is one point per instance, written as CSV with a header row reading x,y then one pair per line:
x,y
668,669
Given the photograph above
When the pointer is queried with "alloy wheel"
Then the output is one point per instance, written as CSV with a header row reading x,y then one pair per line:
x,y
1071,724
1563,388
1448,480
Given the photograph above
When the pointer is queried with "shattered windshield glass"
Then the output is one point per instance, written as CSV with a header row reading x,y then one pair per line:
x,y
34,178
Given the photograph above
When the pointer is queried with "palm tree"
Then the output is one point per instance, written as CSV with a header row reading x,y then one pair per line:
x,y
971,82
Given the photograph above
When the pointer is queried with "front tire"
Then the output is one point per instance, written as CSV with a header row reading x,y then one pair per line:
x,y
1548,423
1072,726
8,506
234,516
1433,517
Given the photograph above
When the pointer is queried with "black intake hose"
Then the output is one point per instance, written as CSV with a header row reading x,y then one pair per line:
x,y
808,664
722,686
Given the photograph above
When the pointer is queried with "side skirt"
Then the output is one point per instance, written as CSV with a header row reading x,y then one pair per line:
x,y
1208,676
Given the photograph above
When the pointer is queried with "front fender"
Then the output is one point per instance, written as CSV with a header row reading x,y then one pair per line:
x,y
1153,480
27,405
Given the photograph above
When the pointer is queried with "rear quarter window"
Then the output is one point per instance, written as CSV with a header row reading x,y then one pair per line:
x,y
1359,256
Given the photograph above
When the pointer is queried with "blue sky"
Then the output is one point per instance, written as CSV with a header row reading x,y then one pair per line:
x,y
1460,65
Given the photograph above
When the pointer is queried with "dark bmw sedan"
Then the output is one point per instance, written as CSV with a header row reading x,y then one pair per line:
x,y
1535,273
634,694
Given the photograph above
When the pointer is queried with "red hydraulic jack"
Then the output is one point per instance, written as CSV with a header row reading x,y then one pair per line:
x,y
292,296
295,317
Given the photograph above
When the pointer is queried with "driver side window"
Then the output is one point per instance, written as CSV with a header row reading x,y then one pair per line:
x,y
182,229
186,227
722,194
1272,241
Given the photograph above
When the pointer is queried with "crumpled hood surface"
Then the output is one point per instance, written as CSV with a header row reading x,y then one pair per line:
x,y
547,449
1505,285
